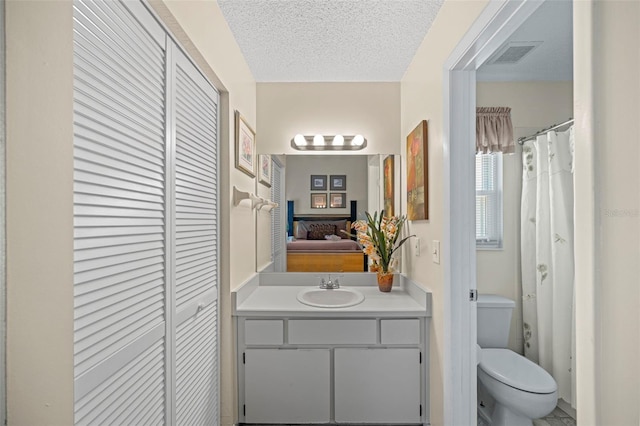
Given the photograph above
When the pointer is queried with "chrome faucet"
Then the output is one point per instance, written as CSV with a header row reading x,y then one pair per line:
x,y
329,284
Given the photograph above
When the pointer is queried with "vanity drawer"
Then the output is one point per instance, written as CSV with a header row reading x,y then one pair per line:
x,y
400,331
330,332
264,332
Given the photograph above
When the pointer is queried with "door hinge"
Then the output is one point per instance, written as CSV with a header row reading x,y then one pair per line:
x,y
420,357
420,410
244,409
244,358
473,295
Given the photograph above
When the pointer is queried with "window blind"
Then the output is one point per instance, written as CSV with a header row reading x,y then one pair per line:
x,y
489,200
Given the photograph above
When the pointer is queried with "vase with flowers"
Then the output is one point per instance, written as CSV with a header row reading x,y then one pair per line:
x,y
379,236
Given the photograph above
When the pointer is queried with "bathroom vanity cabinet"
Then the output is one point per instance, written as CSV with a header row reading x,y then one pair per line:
x,y
327,366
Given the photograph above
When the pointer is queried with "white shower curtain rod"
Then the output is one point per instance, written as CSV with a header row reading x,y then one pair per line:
x,y
543,131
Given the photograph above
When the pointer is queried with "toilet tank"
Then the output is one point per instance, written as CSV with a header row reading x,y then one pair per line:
x,y
494,320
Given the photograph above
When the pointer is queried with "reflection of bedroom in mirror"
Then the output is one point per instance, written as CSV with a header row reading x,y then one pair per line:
x,y
324,195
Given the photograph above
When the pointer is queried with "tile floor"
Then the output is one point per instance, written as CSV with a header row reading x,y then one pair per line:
x,y
556,418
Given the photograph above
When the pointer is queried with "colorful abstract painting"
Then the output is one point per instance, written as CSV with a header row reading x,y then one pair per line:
x,y
417,174
388,183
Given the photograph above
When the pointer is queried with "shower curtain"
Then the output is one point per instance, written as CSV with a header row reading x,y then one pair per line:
x,y
547,257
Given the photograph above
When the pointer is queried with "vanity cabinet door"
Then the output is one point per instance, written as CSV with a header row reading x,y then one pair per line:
x,y
287,386
377,386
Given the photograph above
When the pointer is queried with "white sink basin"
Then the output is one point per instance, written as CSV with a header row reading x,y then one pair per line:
x,y
330,298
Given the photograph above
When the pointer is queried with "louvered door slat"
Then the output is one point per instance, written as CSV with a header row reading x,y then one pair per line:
x,y
119,217
197,376
118,138
196,247
105,399
145,224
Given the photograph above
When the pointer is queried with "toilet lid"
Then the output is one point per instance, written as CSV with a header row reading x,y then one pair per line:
x,y
516,371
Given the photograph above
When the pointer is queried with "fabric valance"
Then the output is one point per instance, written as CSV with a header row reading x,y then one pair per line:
x,y
494,131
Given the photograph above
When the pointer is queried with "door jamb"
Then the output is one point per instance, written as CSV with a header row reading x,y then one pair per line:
x,y
490,30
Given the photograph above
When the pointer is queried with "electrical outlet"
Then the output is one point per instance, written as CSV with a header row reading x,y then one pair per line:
x,y
435,251
417,247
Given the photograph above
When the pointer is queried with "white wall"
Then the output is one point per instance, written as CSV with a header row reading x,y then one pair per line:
x,y
607,180
39,179
534,106
301,167
421,98
370,109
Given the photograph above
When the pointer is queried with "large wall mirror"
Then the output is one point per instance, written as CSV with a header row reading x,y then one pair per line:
x,y
320,196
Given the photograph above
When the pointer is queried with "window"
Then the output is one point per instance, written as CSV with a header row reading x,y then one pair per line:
x,y
489,201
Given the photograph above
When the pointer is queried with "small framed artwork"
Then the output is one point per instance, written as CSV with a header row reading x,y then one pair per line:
x,y
264,171
338,182
418,173
319,183
245,146
338,200
318,201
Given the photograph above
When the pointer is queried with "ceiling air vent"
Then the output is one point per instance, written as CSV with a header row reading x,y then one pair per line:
x,y
513,52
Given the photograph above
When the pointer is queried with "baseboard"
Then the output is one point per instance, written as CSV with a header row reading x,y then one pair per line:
x,y
567,408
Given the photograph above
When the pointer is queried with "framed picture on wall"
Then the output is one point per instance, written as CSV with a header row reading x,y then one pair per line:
x,y
418,173
319,183
264,169
338,182
245,146
338,200
388,183
319,201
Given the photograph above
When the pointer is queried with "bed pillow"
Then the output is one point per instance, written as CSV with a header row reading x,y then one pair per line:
x,y
300,230
317,231
341,225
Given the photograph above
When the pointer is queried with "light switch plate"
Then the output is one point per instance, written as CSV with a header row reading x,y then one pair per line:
x,y
435,251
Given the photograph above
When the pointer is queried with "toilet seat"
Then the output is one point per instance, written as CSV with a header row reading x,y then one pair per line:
x,y
516,371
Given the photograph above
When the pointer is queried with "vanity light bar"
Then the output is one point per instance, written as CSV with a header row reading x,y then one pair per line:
x,y
328,143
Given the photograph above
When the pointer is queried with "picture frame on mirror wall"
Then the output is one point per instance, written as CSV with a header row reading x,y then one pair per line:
x,y
245,141
318,182
265,168
338,182
319,201
338,200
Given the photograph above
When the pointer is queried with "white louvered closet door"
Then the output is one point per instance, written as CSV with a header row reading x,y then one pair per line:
x,y
196,245
145,213
278,230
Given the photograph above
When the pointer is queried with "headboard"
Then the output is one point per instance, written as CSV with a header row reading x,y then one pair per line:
x,y
293,217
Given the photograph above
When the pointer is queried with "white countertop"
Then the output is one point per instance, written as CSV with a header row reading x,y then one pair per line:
x,y
274,300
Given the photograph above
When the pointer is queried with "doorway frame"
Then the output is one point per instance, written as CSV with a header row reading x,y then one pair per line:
x,y
494,25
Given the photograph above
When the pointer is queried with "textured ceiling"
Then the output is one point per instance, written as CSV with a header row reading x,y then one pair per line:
x,y
552,60
329,40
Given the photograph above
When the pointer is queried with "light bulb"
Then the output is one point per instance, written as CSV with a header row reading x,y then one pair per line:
x,y
357,140
299,140
318,140
338,140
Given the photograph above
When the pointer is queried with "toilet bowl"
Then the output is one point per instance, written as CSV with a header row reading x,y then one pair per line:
x,y
522,389
511,389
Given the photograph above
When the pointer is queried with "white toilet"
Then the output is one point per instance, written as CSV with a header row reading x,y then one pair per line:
x,y
511,389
